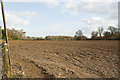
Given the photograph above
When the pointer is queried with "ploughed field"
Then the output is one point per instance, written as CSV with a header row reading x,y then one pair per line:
x,y
64,59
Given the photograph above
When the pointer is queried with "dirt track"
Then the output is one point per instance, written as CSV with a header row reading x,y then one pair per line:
x,y
65,59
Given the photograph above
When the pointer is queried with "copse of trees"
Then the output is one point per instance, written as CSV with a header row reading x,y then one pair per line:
x,y
14,34
34,38
111,33
79,35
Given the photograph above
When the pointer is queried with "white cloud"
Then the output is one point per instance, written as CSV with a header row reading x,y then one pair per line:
x,y
99,21
26,14
100,8
51,2
93,23
13,20
18,19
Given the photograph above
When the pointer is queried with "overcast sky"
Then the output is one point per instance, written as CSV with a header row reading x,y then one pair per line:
x,y
58,17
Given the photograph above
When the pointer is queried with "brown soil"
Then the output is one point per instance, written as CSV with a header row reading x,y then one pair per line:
x,y
64,59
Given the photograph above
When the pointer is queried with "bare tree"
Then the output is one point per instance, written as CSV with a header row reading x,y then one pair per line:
x,y
94,35
100,30
112,29
79,33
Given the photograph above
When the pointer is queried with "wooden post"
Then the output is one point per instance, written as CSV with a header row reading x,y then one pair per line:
x,y
6,35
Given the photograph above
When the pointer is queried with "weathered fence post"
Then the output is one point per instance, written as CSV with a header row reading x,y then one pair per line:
x,y
6,54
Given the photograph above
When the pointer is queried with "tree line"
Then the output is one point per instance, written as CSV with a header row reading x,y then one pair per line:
x,y
14,34
111,33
